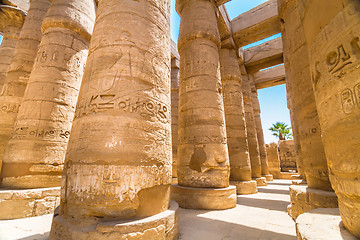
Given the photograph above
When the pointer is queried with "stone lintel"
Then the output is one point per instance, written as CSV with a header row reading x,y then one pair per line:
x,y
256,24
245,187
162,226
263,56
304,199
22,4
204,198
322,223
174,50
221,2
15,204
270,77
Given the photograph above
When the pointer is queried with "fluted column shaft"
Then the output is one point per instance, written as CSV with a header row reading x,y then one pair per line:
x,y
250,125
202,148
303,107
240,168
19,71
36,151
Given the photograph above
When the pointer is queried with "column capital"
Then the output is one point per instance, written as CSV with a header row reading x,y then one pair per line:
x,y
10,18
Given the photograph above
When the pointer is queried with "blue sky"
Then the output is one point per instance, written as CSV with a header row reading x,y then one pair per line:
x,y
272,100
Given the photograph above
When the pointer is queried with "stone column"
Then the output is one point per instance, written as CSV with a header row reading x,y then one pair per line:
x,y
117,174
203,170
11,22
251,130
175,64
19,71
272,153
333,34
35,154
260,136
305,116
240,168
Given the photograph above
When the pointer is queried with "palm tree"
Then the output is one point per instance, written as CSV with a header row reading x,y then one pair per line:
x,y
281,130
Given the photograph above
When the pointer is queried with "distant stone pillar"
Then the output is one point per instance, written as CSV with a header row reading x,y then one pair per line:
x,y
304,116
19,71
35,154
251,129
240,168
11,22
272,153
260,136
333,37
203,170
117,174
175,64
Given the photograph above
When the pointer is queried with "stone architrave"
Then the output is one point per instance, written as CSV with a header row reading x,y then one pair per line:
x,y
19,71
11,22
333,37
35,154
251,129
273,159
260,136
117,175
203,160
303,107
174,111
240,168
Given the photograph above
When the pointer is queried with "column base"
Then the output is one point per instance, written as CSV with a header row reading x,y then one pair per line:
x,y
285,175
261,181
15,204
304,199
174,180
322,223
268,177
162,226
204,198
296,177
245,187
299,182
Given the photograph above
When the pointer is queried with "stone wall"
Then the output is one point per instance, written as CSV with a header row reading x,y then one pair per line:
x,y
287,155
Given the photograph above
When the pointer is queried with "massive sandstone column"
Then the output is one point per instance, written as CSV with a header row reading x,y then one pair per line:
x,y
251,129
305,117
272,154
174,111
202,147
260,136
11,22
240,168
333,37
117,174
35,154
19,71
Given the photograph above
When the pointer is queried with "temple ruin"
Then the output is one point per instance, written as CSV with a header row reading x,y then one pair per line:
x,y
117,132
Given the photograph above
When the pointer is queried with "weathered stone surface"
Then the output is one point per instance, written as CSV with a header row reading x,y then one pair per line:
x,y
162,226
118,162
202,147
270,77
304,198
240,168
260,134
301,97
322,224
272,154
261,181
250,125
174,111
287,155
42,128
11,22
16,204
204,198
334,50
245,187
19,70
